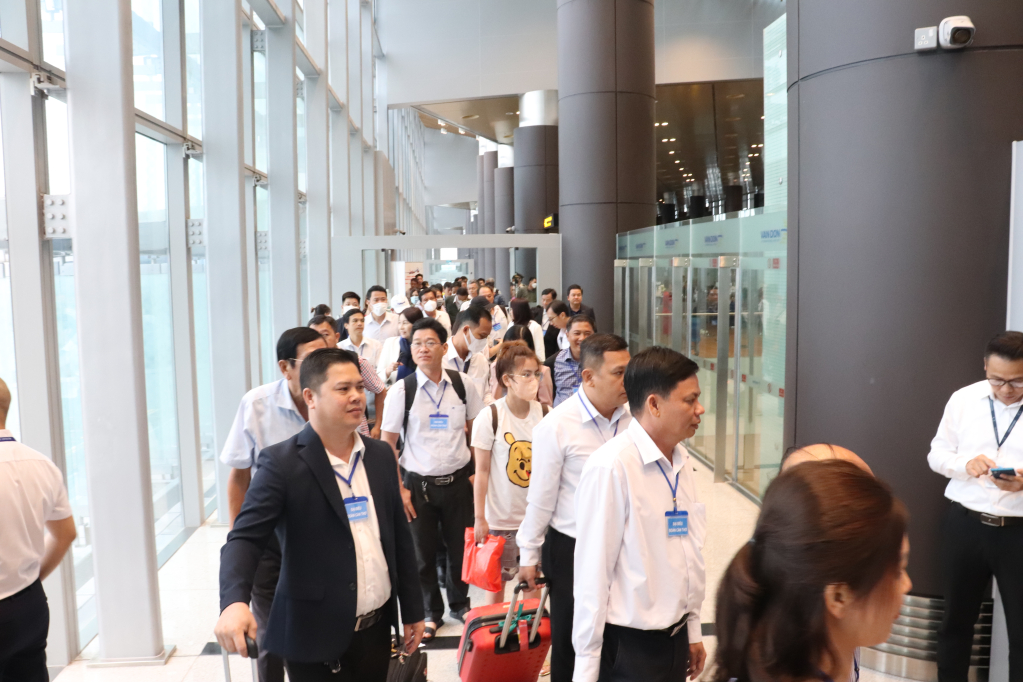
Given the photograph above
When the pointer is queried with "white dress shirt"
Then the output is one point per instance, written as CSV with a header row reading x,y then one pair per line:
x,y
379,331
628,571
432,452
373,582
478,370
388,355
266,416
562,443
966,431
442,317
368,350
499,325
537,333
563,341
32,492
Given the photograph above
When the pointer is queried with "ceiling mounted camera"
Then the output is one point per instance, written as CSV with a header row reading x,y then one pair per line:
x,y
955,32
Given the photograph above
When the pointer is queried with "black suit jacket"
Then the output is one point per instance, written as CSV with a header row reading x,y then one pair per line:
x,y
294,492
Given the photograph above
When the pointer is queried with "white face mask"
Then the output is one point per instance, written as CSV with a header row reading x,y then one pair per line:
x,y
524,389
475,345
379,309
430,306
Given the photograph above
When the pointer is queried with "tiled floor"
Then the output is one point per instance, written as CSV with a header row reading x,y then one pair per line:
x,y
189,598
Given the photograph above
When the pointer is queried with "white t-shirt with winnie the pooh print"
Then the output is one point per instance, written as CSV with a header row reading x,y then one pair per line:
x,y
511,455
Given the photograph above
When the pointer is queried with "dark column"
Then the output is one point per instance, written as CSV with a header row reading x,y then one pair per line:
x,y
481,209
896,284
606,146
504,217
536,185
489,166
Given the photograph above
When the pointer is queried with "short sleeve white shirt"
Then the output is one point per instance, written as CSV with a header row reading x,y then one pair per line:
x,y
32,492
266,416
476,367
379,331
368,350
432,451
511,461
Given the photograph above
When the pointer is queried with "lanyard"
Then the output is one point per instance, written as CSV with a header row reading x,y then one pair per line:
x,y
444,388
674,491
7,439
351,474
594,420
994,424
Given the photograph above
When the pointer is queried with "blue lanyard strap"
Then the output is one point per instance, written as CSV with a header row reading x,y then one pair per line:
x,y
7,439
674,490
443,390
594,420
994,424
351,474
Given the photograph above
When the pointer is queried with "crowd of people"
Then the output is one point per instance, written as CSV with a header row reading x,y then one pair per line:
x,y
500,418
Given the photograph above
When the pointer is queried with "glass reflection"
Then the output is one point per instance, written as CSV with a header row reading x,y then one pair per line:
x,y
147,55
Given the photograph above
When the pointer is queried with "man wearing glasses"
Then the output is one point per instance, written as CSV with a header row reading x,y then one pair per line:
x,y
268,414
979,446
433,410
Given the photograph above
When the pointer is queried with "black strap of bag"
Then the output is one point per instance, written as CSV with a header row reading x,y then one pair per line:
x,y
412,385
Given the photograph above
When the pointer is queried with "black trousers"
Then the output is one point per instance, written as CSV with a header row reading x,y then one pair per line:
x,y
366,659
24,622
971,554
450,506
558,558
643,655
264,586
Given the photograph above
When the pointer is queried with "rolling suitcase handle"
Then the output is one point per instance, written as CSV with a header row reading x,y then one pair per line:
x,y
252,650
511,611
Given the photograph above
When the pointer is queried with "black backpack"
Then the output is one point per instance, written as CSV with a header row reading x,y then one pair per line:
x,y
412,385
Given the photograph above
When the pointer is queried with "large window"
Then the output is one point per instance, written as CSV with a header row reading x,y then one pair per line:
x,y
158,342
193,68
201,325
8,371
147,55
268,343
51,14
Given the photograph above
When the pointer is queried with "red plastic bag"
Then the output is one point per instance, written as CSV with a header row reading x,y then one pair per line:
x,y
481,565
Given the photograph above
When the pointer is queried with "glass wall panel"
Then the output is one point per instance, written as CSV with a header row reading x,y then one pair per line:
x,y
58,154
193,68
268,343
147,51
259,107
8,370
158,341
303,260
201,326
51,14
301,149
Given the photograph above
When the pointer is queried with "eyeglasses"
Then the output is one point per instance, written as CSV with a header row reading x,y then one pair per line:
x,y
998,383
428,345
528,375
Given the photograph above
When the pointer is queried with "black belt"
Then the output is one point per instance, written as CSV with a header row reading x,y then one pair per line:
x,y
992,520
447,479
368,620
671,630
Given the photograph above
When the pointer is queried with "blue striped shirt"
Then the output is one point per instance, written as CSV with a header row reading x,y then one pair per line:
x,y
567,376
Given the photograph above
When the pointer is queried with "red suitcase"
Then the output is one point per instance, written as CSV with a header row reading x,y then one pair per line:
x,y
492,647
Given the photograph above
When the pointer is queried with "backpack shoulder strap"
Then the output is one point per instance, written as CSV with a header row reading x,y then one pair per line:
x,y
411,386
456,383
493,417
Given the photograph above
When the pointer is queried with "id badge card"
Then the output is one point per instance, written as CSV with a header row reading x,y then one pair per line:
x,y
678,523
438,422
357,508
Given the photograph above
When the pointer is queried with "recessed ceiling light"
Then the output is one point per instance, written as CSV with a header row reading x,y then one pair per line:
x,y
440,121
664,140
761,118
516,113
672,139
665,123
443,131
677,161
656,124
671,152
470,117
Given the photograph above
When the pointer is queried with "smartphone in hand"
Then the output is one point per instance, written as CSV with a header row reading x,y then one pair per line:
x,y
1002,471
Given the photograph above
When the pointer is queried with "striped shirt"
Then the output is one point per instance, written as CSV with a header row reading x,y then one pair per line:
x,y
371,380
567,376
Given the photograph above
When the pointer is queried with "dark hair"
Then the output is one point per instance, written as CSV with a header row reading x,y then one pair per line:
x,y
412,314
489,286
320,319
821,523
580,319
462,291
448,285
521,312
549,292
321,309
471,316
591,351
508,357
559,307
520,332
1008,345
350,294
291,339
574,286
655,371
431,324
424,292
480,280
315,366
373,289
348,316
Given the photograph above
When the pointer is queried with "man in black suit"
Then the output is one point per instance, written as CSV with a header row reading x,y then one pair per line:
x,y
348,559
575,302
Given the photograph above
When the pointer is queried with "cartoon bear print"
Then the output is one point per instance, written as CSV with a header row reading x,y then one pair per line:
x,y
520,460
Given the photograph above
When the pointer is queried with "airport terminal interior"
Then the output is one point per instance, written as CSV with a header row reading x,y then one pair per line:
x,y
814,201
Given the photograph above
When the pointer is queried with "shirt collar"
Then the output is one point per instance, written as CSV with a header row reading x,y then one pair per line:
x,y
422,379
649,451
587,412
349,344
283,399
989,393
452,353
357,447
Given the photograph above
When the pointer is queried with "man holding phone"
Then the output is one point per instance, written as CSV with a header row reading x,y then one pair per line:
x,y
979,446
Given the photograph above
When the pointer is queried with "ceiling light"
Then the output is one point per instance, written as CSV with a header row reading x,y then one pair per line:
x,y
508,113
516,113
664,140
665,123
443,131
440,121
671,152
656,124
677,161
673,139
470,117
761,118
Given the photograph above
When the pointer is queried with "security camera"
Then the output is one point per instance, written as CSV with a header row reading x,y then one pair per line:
x,y
955,32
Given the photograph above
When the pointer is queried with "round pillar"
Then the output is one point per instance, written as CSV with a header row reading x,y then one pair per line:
x,y
489,166
504,217
536,185
606,142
